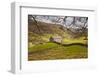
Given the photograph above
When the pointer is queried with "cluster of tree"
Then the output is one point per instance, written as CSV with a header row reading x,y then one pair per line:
x,y
73,24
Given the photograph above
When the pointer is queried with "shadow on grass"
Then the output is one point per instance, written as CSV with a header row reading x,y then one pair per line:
x,y
71,44
75,44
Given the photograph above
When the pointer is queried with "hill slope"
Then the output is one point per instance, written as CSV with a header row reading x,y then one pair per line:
x,y
45,28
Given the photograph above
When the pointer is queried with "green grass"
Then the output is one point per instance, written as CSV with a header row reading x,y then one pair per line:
x,y
70,41
44,46
75,51
51,51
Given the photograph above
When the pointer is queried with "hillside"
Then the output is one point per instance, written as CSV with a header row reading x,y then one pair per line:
x,y
41,48
45,28
41,32
47,39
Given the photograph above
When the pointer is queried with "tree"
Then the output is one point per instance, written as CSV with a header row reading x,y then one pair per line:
x,y
78,26
32,19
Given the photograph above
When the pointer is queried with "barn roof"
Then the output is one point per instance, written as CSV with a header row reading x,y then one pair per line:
x,y
57,37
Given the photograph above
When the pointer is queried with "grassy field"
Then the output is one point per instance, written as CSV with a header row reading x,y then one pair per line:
x,y
51,51
41,48
69,41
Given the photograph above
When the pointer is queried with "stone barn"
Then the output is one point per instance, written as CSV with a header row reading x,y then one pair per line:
x,y
57,39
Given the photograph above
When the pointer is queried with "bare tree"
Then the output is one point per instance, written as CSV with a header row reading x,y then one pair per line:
x,y
77,29
33,19
75,26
